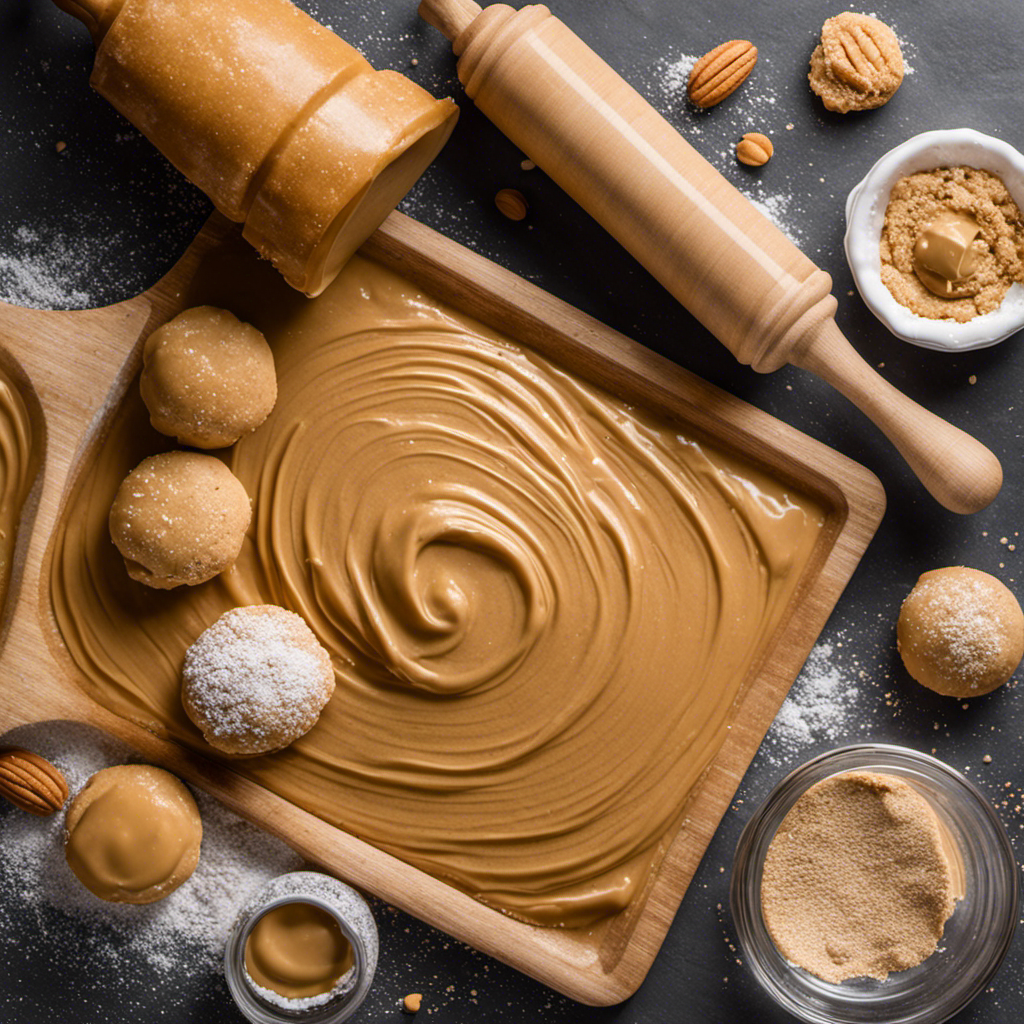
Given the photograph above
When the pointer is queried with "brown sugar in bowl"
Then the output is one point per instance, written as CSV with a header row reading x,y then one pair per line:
x,y
976,937
865,215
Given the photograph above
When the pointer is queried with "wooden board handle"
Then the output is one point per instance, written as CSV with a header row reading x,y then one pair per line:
x,y
449,17
958,471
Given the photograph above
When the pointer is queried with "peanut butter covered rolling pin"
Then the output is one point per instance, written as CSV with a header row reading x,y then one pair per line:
x,y
729,265
282,124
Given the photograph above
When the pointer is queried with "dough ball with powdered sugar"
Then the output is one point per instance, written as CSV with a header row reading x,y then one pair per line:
x,y
256,680
960,632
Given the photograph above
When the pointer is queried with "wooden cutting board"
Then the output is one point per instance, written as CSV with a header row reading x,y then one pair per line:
x,y
74,367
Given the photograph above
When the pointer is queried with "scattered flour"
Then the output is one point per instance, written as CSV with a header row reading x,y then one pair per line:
x,y
184,935
236,859
43,271
674,75
715,131
752,101
777,209
818,708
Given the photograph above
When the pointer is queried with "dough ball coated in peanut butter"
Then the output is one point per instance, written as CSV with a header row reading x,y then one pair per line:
x,y
133,834
207,378
179,518
960,632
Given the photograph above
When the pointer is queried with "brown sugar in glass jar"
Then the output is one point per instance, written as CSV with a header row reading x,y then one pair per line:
x,y
976,936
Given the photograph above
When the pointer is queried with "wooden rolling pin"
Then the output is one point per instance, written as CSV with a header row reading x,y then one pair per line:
x,y
699,236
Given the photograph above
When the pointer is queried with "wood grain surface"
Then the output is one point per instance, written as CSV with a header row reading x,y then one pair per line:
x,y
75,366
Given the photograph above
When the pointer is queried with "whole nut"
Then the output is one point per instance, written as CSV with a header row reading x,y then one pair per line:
x,y
857,65
754,149
721,72
863,52
512,203
31,782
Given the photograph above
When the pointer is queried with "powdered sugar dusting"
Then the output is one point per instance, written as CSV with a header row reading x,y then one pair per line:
x,y
256,679
956,623
343,985
189,925
818,706
44,272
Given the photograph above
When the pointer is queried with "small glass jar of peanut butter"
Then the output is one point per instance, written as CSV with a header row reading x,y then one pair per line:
x,y
303,950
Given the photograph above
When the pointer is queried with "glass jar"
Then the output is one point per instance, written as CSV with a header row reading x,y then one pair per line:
x,y
976,936
357,925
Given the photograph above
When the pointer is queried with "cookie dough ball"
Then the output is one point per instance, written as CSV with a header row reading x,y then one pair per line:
x,y
207,378
179,518
960,632
133,834
256,680
858,65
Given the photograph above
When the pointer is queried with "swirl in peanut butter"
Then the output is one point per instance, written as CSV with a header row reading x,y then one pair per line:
x,y
541,603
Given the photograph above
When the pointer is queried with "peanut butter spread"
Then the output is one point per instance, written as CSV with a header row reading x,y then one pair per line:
x,y
541,603
943,256
19,462
297,950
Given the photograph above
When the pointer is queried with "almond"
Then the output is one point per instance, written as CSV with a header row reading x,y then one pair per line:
x,y
754,149
512,203
31,782
721,72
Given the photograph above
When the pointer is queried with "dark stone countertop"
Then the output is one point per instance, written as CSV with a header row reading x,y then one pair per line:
x,y
106,217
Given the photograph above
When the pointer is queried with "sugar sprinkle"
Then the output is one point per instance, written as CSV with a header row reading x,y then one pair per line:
x,y
236,859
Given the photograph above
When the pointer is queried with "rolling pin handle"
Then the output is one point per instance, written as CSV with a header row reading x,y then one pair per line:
x,y
958,471
450,17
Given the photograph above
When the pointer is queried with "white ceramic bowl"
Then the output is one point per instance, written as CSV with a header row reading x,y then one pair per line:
x,y
865,213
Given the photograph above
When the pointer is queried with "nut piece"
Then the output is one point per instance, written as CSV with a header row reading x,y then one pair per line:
x,y
31,782
512,203
858,65
754,149
412,1002
721,72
